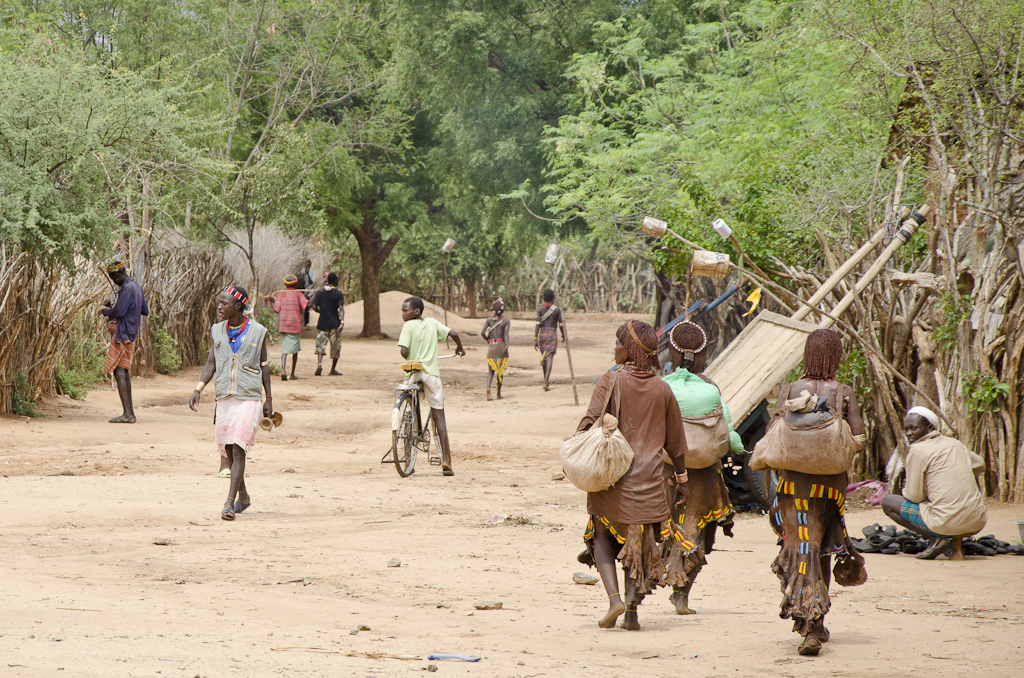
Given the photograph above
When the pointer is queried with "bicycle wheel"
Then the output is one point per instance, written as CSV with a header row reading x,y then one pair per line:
x,y
403,447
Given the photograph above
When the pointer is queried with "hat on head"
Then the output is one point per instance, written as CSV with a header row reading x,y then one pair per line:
x,y
290,280
932,418
116,266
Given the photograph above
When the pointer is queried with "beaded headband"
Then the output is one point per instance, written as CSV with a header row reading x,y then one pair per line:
x,y
237,295
688,352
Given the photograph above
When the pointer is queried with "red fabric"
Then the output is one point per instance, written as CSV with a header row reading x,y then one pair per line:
x,y
289,306
119,353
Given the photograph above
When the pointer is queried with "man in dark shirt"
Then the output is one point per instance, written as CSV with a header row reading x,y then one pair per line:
x,y
125,320
307,283
330,304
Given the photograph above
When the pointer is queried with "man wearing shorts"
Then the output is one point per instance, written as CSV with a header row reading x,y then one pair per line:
x,y
418,342
125,318
330,304
289,305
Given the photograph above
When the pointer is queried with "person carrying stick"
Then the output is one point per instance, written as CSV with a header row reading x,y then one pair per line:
x,y
289,304
549,320
125,320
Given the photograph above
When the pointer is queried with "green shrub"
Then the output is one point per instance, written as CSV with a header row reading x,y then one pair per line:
x,y
74,383
22,405
82,367
266,317
955,307
982,392
165,352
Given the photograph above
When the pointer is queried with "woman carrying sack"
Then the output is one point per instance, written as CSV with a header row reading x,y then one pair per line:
x,y
626,519
704,412
808,510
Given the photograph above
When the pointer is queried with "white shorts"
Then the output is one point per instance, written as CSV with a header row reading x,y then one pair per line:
x,y
432,388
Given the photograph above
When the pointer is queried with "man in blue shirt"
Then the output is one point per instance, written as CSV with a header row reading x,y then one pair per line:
x,y
125,318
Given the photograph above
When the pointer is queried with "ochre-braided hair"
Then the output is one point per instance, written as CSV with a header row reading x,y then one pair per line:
x,y
643,358
822,354
688,336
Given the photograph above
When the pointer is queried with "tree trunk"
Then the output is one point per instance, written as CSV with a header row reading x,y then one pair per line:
x,y
373,252
471,299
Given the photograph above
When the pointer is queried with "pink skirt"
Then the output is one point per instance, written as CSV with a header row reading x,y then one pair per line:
x,y
236,423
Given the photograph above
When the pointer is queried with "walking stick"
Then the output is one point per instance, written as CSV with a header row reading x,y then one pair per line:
x,y
445,249
568,355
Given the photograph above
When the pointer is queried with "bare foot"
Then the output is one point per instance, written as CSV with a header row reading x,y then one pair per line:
x,y
334,373
615,609
319,371
631,622
682,603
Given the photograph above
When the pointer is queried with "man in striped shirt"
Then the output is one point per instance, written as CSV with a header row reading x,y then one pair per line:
x,y
289,305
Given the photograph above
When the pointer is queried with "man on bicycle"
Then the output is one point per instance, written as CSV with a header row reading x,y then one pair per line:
x,y
418,341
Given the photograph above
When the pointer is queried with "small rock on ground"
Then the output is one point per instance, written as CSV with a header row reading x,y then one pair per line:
x,y
488,606
584,578
394,562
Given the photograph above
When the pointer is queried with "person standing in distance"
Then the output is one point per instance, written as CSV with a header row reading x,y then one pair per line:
x,y
307,283
125,320
330,304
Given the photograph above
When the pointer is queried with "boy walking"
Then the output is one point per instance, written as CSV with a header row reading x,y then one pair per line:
x,y
330,304
418,341
289,304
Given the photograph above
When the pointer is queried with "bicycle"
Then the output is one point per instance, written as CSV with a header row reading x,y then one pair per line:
x,y
411,432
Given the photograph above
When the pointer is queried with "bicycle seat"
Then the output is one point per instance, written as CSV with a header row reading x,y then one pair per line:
x,y
412,366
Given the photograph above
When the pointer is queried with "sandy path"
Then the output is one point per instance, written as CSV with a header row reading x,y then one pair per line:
x,y
88,591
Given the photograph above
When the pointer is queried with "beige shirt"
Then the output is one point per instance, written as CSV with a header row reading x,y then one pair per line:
x,y
941,478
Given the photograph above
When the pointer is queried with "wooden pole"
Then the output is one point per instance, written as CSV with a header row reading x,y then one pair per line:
x,y
902,236
446,300
568,355
843,270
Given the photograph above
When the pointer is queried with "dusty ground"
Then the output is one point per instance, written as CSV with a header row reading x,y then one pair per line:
x,y
90,591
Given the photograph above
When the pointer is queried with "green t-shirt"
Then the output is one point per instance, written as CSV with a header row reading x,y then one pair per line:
x,y
696,397
421,337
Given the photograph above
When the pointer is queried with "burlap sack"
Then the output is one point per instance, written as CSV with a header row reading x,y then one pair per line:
x,y
707,438
594,460
821,448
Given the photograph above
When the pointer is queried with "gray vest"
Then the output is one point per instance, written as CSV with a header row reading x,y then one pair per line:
x,y
238,374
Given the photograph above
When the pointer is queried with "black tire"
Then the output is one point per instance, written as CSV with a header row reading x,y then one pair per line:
x,y
403,448
761,485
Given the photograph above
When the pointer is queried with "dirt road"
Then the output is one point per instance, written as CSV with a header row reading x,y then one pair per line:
x,y
117,563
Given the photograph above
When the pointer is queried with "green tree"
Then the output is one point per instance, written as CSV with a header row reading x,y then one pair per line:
x,y
77,144
746,116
